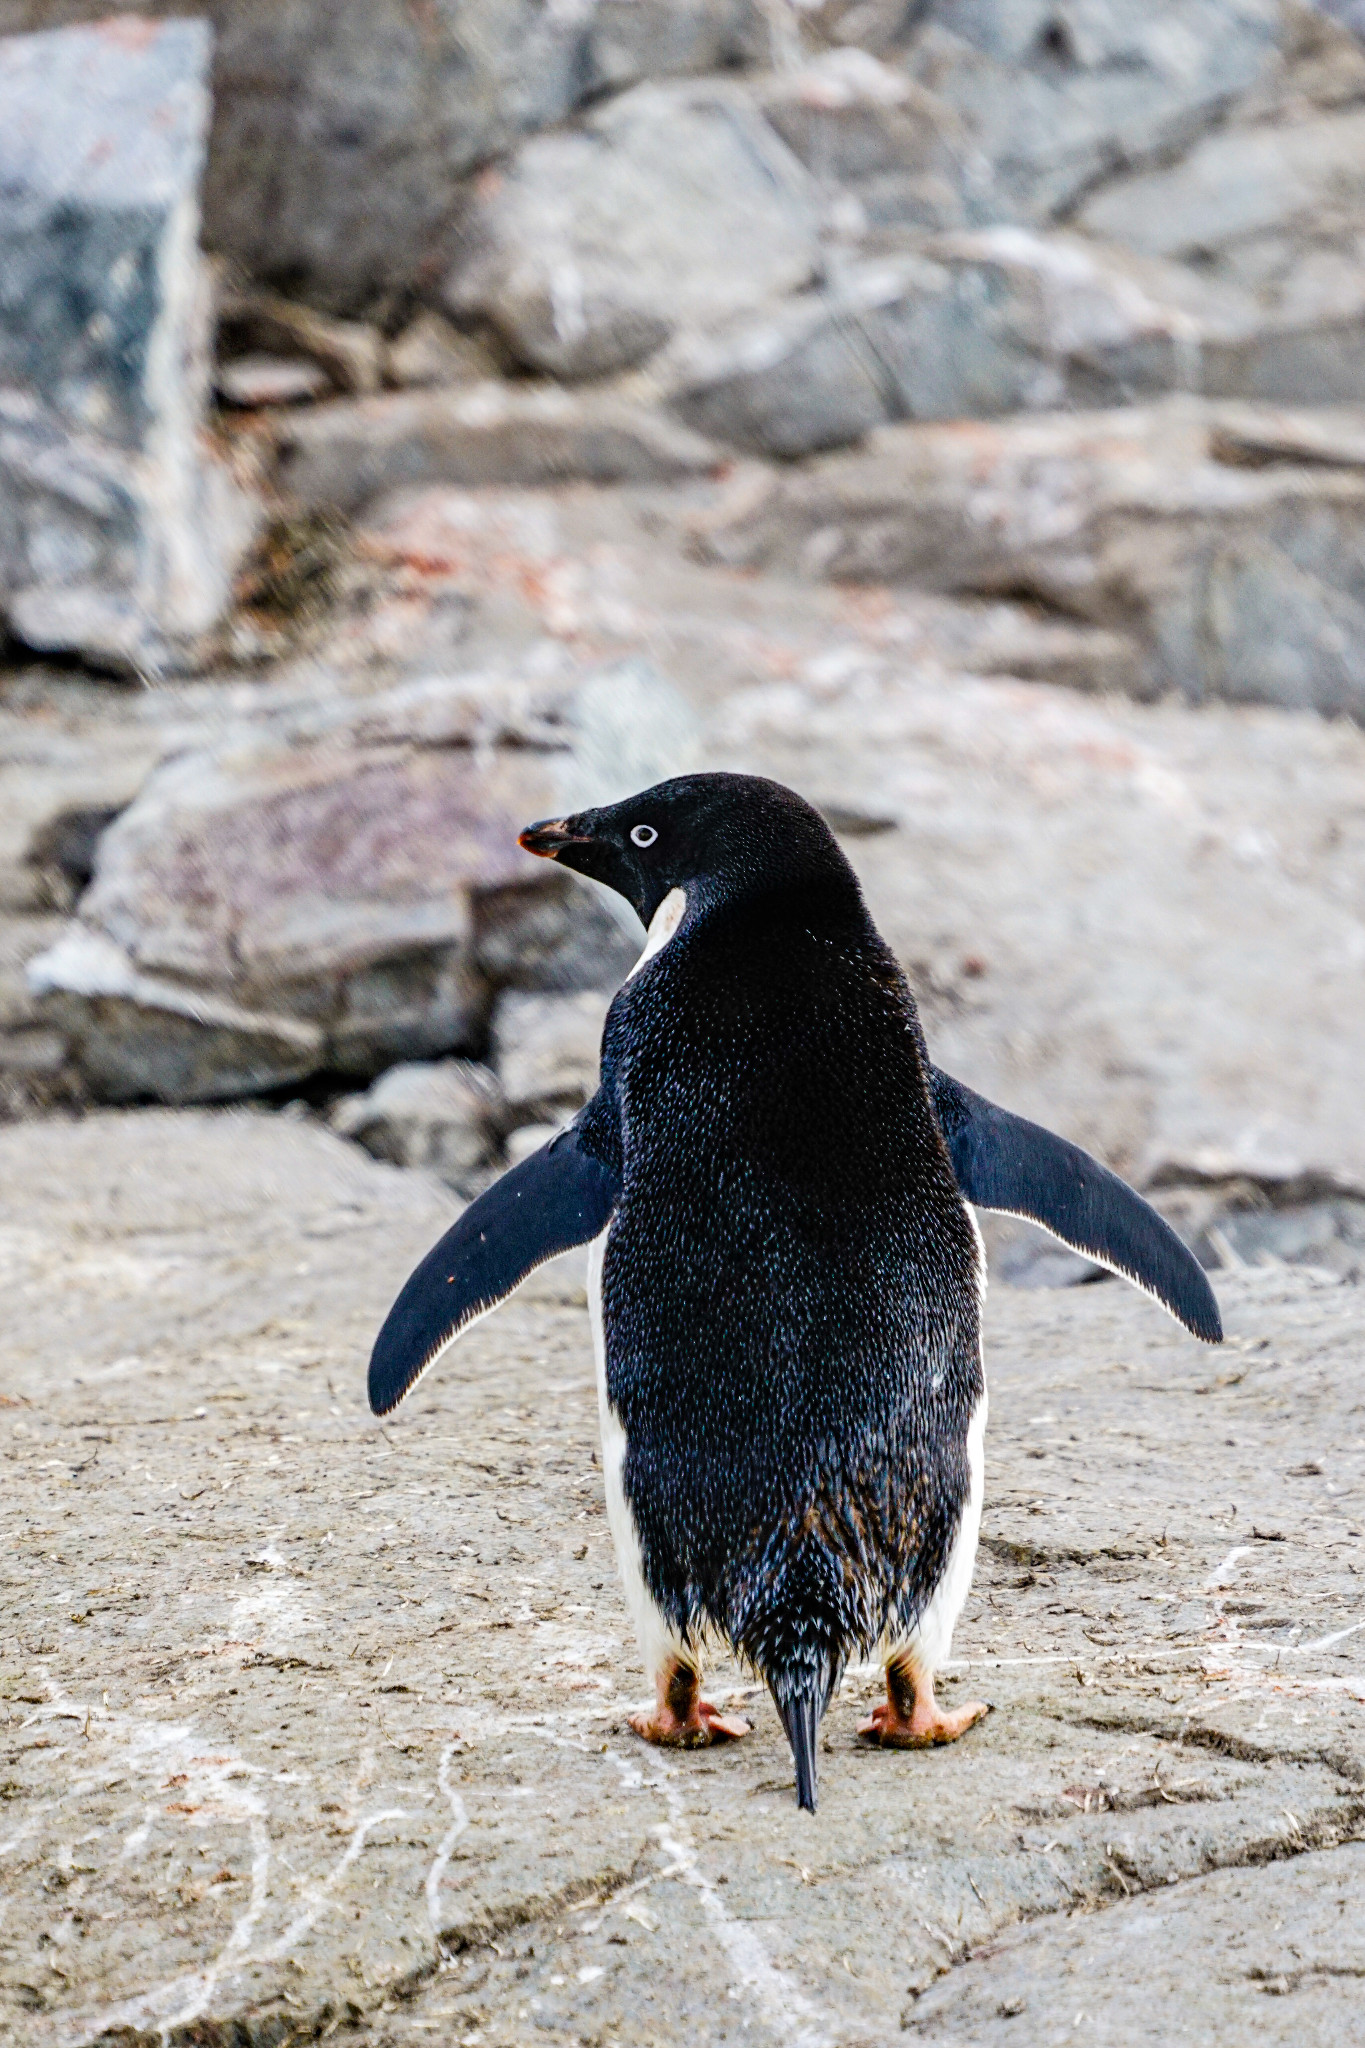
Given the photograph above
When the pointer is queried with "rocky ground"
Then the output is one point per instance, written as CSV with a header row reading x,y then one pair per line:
x,y
956,412
333,1743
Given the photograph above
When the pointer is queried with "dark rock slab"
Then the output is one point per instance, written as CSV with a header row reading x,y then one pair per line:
x,y
675,207
343,455
303,896
119,534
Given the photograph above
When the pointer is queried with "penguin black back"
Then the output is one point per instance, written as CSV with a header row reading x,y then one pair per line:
x,y
775,1181
790,1286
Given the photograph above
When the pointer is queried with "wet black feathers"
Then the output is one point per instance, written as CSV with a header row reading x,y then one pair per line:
x,y
790,1285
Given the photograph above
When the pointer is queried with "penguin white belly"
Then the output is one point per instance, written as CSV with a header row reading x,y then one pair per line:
x,y
927,1646
660,1645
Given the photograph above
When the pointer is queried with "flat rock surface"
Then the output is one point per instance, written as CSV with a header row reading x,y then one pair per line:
x,y
334,1738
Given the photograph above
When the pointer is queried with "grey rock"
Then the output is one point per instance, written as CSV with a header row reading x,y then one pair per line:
x,y
1328,1235
1007,319
560,934
136,1037
1274,211
250,381
1236,583
869,133
978,324
119,534
803,378
446,1117
340,456
1239,188
547,1052
1134,923
349,352
1350,13
1055,98
344,129
674,207
430,351
307,894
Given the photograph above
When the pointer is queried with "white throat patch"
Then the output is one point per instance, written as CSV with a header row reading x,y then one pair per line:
x,y
662,926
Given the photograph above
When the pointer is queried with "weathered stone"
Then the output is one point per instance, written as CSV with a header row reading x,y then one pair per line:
x,y
803,378
1238,583
1142,1822
1053,99
250,381
1241,189
340,456
675,207
1275,212
869,133
304,895
547,1051
136,1037
554,935
446,1117
1001,320
119,533
431,351
350,352
344,129
1006,319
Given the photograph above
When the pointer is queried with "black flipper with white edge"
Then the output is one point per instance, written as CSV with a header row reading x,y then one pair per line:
x,y
1004,1162
561,1196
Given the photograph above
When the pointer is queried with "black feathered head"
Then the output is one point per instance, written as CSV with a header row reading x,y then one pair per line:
x,y
718,837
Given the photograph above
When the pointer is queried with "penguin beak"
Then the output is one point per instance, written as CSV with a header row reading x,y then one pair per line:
x,y
550,837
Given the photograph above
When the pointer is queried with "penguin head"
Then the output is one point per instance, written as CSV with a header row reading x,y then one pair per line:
x,y
716,837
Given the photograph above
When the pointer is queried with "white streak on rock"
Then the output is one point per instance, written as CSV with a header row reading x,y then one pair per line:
x,y
459,1823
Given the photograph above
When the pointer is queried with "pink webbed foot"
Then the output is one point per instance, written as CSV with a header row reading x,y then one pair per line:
x,y
911,1718
682,1719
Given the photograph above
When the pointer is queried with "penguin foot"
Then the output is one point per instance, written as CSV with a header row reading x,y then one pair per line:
x,y
911,1718
682,1719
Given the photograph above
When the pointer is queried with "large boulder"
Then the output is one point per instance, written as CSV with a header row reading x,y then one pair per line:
x,y
1055,98
674,207
889,154
119,532
1228,543
1275,211
989,321
344,128
338,457
339,889
444,1116
976,324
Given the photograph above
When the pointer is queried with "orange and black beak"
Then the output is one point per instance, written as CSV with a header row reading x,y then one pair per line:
x,y
550,837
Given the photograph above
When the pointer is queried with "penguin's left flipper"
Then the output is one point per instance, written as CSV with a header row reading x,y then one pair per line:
x,y
562,1196
1004,1162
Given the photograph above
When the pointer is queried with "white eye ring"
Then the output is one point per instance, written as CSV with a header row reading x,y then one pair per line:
x,y
642,835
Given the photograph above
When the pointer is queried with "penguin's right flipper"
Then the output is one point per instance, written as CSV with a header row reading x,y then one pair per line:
x,y
561,1196
1004,1162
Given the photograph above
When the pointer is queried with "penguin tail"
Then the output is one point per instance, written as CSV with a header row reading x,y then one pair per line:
x,y
801,1712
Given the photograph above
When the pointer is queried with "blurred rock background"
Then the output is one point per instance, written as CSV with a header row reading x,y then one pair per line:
x,y
415,419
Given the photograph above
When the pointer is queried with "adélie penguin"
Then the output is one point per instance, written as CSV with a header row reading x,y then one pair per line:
x,y
785,1273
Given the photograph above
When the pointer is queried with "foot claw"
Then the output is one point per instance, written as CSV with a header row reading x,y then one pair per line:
x,y
924,1728
703,1725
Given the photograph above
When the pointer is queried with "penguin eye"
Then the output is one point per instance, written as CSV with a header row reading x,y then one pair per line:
x,y
642,835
